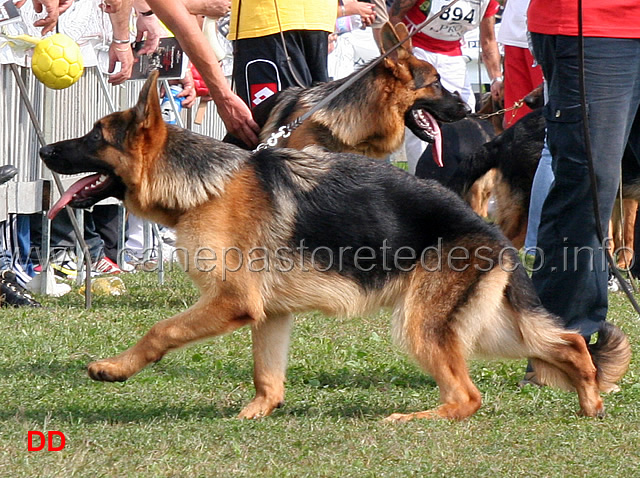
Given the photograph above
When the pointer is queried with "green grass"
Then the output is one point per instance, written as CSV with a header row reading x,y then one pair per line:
x,y
176,418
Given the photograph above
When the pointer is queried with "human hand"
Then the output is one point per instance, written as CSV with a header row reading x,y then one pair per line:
x,y
497,89
120,53
53,9
332,42
154,31
111,6
200,86
188,92
238,119
364,9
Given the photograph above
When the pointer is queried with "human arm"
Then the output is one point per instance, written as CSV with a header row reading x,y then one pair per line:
x,y
148,27
399,9
208,8
235,114
120,49
491,55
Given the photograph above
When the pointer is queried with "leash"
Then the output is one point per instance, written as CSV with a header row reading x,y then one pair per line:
x,y
516,106
285,131
292,70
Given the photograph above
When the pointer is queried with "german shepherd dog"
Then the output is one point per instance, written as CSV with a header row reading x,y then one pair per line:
x,y
477,163
369,118
282,231
460,140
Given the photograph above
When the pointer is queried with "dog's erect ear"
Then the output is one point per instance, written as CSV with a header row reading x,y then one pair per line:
x,y
403,32
390,37
147,110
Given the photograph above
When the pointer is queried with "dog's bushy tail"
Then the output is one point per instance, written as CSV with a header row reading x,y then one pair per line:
x,y
611,355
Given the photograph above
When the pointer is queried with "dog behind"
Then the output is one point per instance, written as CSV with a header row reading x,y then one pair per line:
x,y
514,154
460,140
269,234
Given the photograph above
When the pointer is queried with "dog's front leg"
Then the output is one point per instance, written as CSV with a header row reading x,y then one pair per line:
x,y
270,349
207,318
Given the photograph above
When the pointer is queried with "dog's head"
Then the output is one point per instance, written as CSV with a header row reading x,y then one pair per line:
x,y
429,101
112,150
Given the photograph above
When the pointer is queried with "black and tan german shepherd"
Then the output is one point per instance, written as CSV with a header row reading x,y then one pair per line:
x,y
269,234
369,117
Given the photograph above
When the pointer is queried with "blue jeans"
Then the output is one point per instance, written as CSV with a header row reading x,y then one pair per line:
x,y
571,273
539,189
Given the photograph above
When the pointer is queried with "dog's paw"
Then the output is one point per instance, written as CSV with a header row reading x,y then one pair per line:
x,y
593,413
107,371
399,417
406,417
259,408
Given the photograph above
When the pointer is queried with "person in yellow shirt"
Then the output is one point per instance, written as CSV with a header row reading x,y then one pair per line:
x,y
279,43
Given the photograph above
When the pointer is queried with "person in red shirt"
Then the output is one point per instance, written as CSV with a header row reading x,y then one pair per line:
x,y
570,272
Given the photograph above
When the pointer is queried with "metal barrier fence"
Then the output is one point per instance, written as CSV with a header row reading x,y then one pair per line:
x,y
62,114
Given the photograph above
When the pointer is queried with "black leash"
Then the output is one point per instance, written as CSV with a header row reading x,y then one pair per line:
x,y
285,131
592,172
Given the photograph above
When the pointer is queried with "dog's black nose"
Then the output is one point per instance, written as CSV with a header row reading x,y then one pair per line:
x,y
47,152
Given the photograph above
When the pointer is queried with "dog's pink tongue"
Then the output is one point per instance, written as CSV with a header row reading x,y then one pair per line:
x,y
436,148
69,193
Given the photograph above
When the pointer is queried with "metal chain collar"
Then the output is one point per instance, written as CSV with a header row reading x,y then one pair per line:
x,y
283,132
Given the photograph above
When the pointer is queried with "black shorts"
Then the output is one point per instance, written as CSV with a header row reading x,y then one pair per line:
x,y
261,68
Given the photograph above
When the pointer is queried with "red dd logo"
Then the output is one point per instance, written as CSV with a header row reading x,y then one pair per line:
x,y
41,441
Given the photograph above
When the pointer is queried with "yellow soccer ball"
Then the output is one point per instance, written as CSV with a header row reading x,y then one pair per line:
x,y
57,61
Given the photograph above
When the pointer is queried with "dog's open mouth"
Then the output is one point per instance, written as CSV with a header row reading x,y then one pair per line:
x,y
425,126
86,192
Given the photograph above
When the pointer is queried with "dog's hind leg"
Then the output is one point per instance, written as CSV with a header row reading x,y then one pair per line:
x,y
445,362
425,325
207,318
270,348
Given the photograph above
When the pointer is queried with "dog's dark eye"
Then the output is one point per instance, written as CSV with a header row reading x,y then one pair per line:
x,y
96,135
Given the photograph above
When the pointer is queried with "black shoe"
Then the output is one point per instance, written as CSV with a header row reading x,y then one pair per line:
x,y
7,172
12,293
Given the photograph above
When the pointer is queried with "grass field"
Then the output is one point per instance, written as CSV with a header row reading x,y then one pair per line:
x,y
176,418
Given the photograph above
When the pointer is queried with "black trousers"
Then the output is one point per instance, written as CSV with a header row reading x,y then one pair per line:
x,y
261,67
100,233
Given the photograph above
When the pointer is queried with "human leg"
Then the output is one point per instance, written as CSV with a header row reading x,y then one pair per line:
x,y
520,78
539,189
571,272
